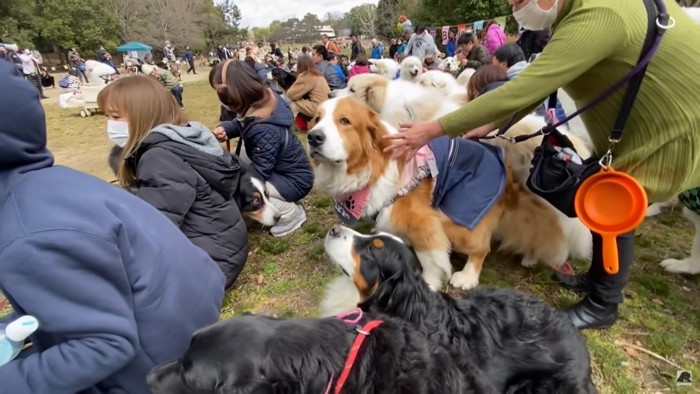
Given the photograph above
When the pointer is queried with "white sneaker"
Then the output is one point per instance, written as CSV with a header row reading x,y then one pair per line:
x,y
282,229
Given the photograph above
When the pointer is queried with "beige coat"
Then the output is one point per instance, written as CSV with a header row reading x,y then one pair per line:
x,y
308,92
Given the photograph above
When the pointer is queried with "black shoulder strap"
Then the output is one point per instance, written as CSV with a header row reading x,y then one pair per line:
x,y
636,82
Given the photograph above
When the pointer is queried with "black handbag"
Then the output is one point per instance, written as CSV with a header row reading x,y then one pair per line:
x,y
556,180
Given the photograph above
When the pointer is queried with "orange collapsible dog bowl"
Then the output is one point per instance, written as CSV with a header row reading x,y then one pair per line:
x,y
611,203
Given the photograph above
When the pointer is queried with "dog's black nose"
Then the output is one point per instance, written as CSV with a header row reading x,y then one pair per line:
x,y
316,138
334,232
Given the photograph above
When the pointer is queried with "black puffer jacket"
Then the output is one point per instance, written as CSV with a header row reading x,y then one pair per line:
x,y
186,174
275,152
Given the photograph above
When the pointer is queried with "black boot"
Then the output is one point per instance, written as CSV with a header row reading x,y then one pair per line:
x,y
590,314
576,283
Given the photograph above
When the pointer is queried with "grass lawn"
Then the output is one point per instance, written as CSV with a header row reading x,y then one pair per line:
x,y
286,276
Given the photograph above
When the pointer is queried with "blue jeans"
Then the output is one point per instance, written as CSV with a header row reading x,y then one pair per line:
x,y
177,93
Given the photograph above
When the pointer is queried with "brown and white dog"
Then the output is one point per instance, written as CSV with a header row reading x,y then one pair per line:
x,y
345,147
401,101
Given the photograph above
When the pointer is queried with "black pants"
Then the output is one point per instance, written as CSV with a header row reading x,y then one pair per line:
x,y
191,68
604,287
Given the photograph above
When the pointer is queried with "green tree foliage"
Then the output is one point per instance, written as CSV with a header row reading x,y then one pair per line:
x,y
56,25
221,23
64,24
386,17
452,12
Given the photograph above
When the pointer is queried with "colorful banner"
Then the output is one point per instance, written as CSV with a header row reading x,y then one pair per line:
x,y
445,31
465,28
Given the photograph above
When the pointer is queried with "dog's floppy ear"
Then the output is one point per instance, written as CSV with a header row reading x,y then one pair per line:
x,y
399,278
374,96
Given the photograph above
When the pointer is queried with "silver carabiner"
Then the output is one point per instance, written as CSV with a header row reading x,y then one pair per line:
x,y
606,160
670,25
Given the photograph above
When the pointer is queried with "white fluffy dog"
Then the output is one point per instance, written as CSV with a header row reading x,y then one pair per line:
x,y
411,68
387,68
445,83
95,71
449,64
689,265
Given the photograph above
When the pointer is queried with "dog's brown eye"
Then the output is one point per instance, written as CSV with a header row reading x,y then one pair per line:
x,y
344,121
256,201
352,90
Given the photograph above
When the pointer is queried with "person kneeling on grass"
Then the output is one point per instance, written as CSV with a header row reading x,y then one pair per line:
x,y
116,287
264,123
178,167
167,79
307,92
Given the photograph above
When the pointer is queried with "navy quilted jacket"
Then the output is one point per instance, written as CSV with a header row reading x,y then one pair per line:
x,y
275,152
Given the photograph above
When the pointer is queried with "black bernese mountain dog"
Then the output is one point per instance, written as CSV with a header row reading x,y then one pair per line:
x,y
285,79
510,342
263,355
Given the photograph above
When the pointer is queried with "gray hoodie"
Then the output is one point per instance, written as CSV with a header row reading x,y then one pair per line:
x,y
418,45
515,69
194,134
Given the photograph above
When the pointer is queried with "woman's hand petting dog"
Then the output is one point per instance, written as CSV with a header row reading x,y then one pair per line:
x,y
411,137
220,134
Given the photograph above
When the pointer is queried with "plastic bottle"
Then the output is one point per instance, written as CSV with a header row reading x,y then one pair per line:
x,y
12,337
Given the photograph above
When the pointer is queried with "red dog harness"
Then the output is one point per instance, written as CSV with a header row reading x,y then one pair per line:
x,y
362,334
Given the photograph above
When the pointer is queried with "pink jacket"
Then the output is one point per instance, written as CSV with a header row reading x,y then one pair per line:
x,y
495,38
358,69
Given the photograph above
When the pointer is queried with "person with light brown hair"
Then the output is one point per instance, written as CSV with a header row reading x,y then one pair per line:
x,y
485,79
178,167
263,121
308,91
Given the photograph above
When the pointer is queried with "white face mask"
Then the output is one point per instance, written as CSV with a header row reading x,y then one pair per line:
x,y
532,17
118,132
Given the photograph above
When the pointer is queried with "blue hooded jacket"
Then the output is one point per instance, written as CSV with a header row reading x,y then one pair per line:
x,y
116,287
275,152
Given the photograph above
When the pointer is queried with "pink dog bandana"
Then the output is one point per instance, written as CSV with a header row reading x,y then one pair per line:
x,y
351,206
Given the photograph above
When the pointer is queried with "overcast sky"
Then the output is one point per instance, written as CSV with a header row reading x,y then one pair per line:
x,y
262,12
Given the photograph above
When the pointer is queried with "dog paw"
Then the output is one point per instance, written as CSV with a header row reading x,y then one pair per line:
x,y
465,280
685,266
528,261
653,210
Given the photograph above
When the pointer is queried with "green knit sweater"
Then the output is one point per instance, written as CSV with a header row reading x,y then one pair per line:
x,y
594,44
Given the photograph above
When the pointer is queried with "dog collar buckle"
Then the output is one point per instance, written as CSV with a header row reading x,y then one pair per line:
x,y
359,330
